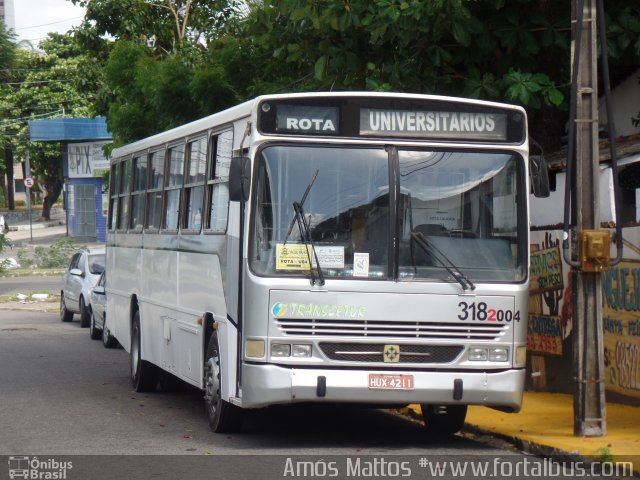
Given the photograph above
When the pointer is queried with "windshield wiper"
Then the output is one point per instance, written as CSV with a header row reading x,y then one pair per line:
x,y
305,232
429,248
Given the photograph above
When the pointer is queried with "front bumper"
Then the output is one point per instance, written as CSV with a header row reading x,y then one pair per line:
x,y
265,385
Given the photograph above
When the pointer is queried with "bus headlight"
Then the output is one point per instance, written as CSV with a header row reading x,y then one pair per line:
x,y
477,354
498,354
493,354
280,350
301,350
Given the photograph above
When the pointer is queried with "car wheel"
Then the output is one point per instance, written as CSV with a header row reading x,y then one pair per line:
x,y
144,375
107,339
223,416
85,317
94,333
443,419
65,315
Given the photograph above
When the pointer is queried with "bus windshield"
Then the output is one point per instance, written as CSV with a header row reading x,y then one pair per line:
x,y
389,213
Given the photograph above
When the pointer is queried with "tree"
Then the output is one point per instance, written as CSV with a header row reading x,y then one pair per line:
x,y
7,59
157,73
514,51
164,25
58,81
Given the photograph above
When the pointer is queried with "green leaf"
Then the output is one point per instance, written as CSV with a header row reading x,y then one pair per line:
x,y
555,97
320,67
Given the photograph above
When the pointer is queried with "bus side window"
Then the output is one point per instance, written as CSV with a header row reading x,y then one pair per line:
x,y
218,181
154,192
194,183
123,198
138,196
113,202
173,187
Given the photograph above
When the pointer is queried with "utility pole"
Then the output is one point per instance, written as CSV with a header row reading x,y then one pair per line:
x,y
589,396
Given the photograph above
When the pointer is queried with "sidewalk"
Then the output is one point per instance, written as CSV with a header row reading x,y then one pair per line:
x,y
544,426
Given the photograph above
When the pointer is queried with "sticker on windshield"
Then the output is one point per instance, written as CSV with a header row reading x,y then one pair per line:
x,y
360,264
295,256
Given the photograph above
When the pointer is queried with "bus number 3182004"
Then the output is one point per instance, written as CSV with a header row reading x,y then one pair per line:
x,y
481,312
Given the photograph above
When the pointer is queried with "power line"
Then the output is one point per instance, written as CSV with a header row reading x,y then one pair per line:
x,y
38,82
44,105
47,24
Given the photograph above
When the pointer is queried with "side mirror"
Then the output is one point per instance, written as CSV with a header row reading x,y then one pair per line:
x,y
539,176
239,179
76,271
99,290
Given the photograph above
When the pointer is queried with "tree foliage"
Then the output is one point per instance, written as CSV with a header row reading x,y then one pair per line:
x,y
175,60
59,80
164,25
144,94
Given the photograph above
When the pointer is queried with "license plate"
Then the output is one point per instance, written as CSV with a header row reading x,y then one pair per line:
x,y
390,382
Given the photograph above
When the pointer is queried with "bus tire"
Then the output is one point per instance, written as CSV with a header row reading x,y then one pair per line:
x,y
85,318
144,375
223,417
443,419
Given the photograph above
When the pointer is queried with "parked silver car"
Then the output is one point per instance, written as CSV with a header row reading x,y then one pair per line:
x,y
80,277
98,327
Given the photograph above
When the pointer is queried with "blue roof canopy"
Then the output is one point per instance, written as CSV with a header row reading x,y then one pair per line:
x,y
68,129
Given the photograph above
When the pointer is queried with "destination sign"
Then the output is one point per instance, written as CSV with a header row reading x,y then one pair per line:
x,y
379,117
433,124
307,119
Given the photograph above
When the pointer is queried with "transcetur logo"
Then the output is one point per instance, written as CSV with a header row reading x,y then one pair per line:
x,y
279,309
314,310
33,468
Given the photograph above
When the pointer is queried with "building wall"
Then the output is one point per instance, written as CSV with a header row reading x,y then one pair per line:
x,y
625,106
8,14
550,211
550,340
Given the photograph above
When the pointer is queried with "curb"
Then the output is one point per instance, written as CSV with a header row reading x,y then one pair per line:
x,y
47,307
525,446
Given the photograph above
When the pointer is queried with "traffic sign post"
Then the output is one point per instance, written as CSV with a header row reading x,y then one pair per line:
x,y
28,183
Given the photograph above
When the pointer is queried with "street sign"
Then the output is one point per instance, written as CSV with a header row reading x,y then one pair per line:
x,y
28,182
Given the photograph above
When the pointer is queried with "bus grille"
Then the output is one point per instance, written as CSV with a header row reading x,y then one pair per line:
x,y
374,352
381,328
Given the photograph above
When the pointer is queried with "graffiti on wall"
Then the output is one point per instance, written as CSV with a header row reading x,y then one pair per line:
x,y
621,324
546,281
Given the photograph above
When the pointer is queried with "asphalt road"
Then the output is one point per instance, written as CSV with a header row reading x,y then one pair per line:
x,y
63,394
11,285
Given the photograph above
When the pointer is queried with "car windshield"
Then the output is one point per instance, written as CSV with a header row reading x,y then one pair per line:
x,y
382,213
96,263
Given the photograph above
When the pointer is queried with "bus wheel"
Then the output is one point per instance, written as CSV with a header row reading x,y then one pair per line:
x,y
144,375
443,419
223,416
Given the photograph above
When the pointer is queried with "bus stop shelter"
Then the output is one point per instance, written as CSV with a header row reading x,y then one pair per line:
x,y
83,168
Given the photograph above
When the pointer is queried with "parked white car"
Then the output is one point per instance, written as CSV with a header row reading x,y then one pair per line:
x,y
79,279
98,327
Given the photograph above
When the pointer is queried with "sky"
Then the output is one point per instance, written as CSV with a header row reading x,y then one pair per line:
x,y
35,18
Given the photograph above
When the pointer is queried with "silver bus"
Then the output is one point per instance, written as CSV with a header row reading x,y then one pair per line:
x,y
352,247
